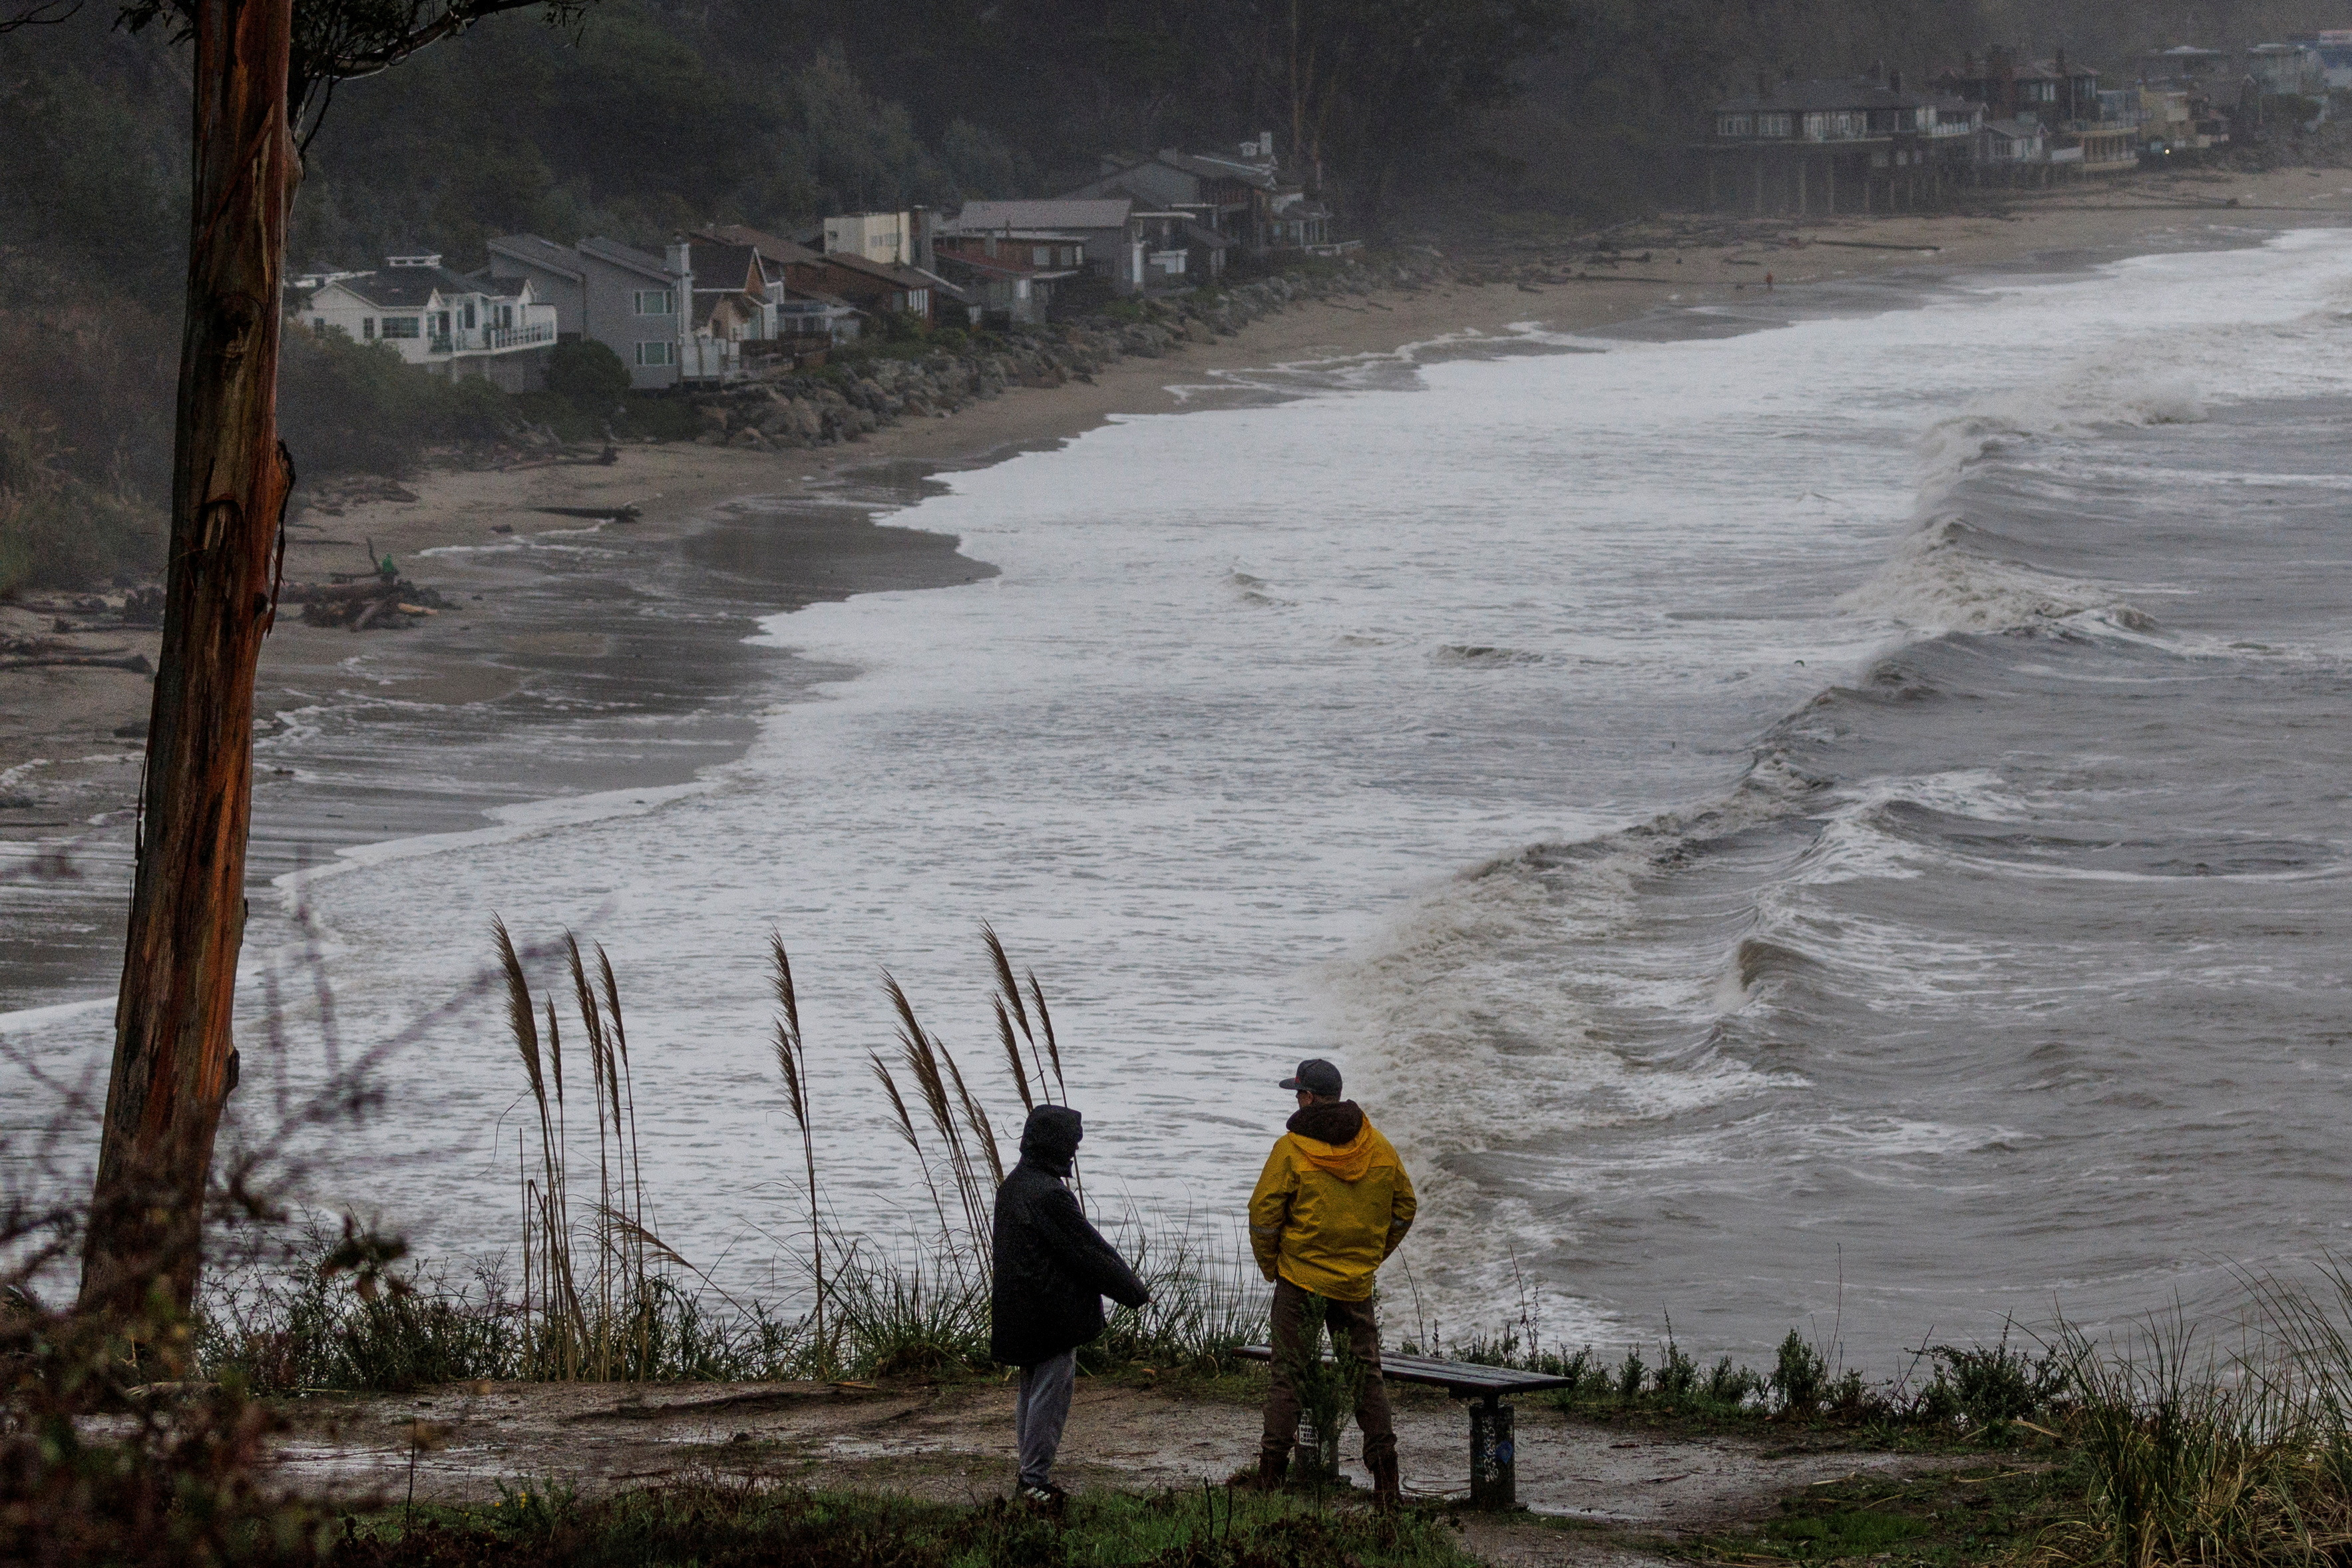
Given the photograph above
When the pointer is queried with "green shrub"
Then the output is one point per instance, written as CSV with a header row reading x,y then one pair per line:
x,y
1800,1377
58,531
586,374
349,407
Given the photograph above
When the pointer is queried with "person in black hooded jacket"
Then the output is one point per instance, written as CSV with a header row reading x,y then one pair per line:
x,y
1053,1269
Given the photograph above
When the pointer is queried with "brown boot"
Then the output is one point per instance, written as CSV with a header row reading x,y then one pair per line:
x,y
1272,1468
1388,1483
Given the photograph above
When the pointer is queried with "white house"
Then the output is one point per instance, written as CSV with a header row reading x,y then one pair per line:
x,y
495,328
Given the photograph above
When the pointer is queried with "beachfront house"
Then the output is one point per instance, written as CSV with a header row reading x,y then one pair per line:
x,y
457,326
1010,273
636,303
819,284
2333,49
1241,197
1829,146
2060,93
2011,141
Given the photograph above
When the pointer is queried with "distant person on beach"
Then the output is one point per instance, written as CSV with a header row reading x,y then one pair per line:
x,y
1334,1201
1053,1269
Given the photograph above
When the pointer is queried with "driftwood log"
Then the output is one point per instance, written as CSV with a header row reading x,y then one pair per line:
x,y
136,662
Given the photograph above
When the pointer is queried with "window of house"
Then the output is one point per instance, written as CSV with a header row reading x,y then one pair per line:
x,y
657,302
661,352
1041,256
1772,125
318,323
470,315
402,327
367,329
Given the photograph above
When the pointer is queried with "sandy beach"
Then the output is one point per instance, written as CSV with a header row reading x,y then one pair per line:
x,y
526,620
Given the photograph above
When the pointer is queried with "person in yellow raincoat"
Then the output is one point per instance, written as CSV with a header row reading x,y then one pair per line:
x,y
1332,1204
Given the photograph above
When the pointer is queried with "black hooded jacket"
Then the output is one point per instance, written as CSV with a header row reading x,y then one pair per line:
x,y
1052,1268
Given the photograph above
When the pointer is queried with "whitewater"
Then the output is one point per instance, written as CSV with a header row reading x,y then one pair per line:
x,y
1701,784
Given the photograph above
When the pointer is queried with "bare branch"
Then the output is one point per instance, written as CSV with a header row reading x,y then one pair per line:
x,y
42,14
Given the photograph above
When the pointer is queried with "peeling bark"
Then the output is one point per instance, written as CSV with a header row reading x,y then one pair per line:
x,y
173,1049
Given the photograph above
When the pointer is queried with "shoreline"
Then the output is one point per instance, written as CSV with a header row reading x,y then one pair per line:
x,y
646,620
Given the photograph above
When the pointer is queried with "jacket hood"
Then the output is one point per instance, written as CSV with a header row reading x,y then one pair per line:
x,y
1051,1137
1335,1137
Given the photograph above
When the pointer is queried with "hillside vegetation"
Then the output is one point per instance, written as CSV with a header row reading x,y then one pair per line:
x,y
1422,116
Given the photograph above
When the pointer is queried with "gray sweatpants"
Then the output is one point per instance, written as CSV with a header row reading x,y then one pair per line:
x,y
1040,1410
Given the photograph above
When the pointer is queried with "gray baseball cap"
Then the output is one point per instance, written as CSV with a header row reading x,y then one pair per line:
x,y
1314,1076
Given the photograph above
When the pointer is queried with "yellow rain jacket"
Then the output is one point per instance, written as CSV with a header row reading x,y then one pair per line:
x,y
1326,1215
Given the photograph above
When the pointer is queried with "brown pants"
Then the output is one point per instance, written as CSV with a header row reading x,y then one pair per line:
x,y
1353,1318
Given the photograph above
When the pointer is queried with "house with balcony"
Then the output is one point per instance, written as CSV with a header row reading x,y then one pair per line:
x,y
1829,146
828,292
453,325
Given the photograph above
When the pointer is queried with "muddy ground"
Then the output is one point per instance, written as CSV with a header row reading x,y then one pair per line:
x,y
1593,1493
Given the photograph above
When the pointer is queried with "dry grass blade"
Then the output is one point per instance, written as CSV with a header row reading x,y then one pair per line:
x,y
1045,1023
791,1060
623,1225
921,1053
519,1011
1006,984
906,1125
1012,1057
975,1117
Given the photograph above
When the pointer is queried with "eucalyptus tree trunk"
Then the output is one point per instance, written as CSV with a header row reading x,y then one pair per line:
x,y
173,1052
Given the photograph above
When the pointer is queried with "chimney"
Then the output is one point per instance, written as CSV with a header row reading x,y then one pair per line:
x,y
920,223
2061,62
1878,73
1894,81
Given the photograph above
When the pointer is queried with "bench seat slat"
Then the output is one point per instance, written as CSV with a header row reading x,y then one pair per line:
x,y
1455,1375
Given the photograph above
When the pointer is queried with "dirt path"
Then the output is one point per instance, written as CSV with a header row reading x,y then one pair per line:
x,y
1593,1492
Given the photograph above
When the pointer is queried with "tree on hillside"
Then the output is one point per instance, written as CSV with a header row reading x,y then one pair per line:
x,y
261,69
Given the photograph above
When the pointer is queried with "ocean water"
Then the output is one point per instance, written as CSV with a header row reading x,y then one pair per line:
x,y
1827,815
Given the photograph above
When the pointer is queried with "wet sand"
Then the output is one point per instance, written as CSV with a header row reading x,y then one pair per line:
x,y
582,657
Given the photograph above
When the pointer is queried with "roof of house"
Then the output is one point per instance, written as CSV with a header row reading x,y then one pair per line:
x,y
1265,177
406,287
538,252
1816,93
1098,212
2017,130
723,267
615,253
880,271
1053,235
774,248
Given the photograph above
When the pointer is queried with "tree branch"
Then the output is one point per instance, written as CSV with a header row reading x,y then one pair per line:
x,y
43,14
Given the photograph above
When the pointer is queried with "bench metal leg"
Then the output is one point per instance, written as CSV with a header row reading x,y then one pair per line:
x,y
1494,1458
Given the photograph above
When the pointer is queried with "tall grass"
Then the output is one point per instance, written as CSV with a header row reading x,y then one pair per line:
x,y
599,1296
2193,1452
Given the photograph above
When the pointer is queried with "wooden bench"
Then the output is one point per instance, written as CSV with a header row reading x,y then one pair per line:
x,y
1494,1457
